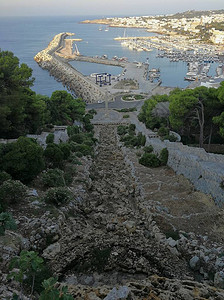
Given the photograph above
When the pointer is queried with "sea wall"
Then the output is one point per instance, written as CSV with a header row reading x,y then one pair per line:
x,y
69,76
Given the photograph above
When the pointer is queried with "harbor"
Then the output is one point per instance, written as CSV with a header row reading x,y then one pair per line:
x,y
138,77
59,54
197,56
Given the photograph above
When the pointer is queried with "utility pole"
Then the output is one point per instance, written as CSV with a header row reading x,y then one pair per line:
x,y
106,106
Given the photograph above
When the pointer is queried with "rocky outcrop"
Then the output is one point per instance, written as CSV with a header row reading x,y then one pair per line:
x,y
152,288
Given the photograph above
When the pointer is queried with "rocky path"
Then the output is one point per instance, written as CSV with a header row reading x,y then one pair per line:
x,y
110,241
116,241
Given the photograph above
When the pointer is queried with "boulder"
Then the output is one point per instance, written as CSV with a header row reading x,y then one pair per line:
x,y
122,293
51,251
219,279
195,263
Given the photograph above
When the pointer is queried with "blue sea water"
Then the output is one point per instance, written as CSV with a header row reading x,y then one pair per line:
x,y
26,36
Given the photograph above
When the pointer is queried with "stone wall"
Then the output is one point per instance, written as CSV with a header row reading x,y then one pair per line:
x,y
204,170
59,136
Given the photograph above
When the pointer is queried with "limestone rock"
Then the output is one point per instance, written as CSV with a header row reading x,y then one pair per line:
x,y
219,279
118,294
51,251
194,263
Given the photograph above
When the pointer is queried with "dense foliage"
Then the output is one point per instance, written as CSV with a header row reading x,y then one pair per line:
x,y
11,192
129,137
196,114
152,160
149,160
22,111
6,222
23,160
57,196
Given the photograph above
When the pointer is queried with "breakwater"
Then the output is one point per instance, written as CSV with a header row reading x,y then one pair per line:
x,y
57,65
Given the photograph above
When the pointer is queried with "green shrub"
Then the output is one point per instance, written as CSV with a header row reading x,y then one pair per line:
x,y
132,141
50,138
53,155
149,160
4,176
23,160
71,130
40,275
11,191
141,139
92,112
121,129
138,97
131,128
83,138
131,109
89,127
74,159
126,116
164,154
84,149
77,138
170,138
6,222
78,154
87,124
57,196
53,178
163,131
126,138
66,149
51,291
25,267
148,149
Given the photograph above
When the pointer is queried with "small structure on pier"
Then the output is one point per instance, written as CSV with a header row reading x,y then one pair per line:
x,y
103,78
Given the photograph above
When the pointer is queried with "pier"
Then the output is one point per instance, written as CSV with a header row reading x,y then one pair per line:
x,y
56,57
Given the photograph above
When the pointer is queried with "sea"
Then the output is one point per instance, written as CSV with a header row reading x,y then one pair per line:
x,y
26,36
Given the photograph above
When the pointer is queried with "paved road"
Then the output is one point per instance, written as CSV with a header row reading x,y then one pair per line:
x,y
117,104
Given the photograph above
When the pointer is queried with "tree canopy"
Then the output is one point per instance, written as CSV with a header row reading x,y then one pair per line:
x,y
21,111
64,109
23,159
194,113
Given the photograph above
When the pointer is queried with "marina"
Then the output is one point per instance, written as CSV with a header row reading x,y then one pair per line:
x,y
198,57
94,43
135,77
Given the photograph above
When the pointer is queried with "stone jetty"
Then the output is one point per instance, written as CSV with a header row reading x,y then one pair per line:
x,y
51,60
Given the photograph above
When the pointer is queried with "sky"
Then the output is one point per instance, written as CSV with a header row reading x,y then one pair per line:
x,y
103,7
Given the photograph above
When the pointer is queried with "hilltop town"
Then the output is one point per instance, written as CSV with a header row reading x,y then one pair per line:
x,y
205,26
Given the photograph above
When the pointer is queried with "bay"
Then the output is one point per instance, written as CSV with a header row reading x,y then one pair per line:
x,y
26,36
